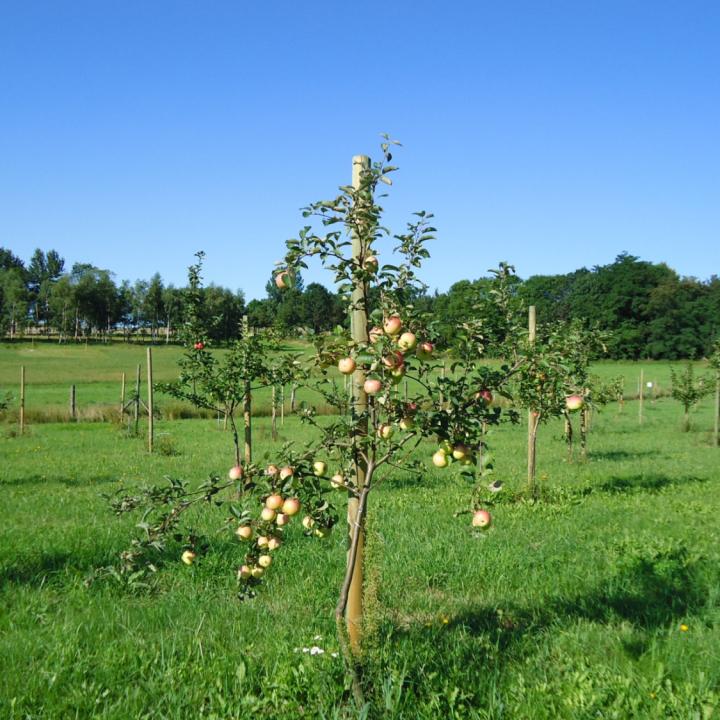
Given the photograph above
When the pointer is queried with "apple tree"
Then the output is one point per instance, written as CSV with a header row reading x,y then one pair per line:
x,y
390,342
225,384
688,390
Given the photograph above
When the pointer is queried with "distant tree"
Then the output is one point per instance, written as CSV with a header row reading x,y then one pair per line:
x,y
261,313
172,309
152,304
15,300
322,310
43,271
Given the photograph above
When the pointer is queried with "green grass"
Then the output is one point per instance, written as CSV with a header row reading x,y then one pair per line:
x,y
96,370
568,608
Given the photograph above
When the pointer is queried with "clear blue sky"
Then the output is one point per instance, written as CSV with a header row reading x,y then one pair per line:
x,y
553,135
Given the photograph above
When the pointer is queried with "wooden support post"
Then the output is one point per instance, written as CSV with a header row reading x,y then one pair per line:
x,y
122,398
282,406
22,399
247,403
136,400
293,389
358,329
641,396
151,415
273,412
533,416
73,405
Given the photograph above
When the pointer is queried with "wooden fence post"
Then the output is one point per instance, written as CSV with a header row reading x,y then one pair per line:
x,y
73,405
122,398
641,396
533,417
136,400
22,399
151,417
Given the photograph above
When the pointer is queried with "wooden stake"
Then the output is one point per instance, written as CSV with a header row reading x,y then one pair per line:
x,y
136,400
641,396
73,406
533,417
22,399
273,412
247,403
151,416
122,398
358,328
282,406
292,398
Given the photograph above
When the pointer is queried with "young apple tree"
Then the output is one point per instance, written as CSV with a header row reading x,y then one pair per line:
x,y
390,341
688,390
225,384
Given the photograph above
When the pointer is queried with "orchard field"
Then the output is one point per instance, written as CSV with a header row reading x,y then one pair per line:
x,y
600,601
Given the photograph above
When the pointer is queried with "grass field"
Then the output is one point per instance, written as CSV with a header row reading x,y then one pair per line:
x,y
96,369
602,601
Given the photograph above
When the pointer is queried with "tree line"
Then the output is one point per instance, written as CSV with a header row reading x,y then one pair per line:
x,y
650,310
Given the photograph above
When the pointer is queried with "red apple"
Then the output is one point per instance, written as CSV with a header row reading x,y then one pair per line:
x,y
460,451
425,350
371,263
274,502
407,341
272,470
282,280
397,374
286,472
385,431
244,532
244,572
394,360
375,334
267,514
291,506
392,325
481,519
236,472
574,402
347,366
440,459
199,345
485,395
372,386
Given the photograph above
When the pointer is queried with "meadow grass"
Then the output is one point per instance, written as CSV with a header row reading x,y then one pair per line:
x,y
601,601
96,370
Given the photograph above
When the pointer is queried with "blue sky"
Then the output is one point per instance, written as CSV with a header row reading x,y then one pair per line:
x,y
553,135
